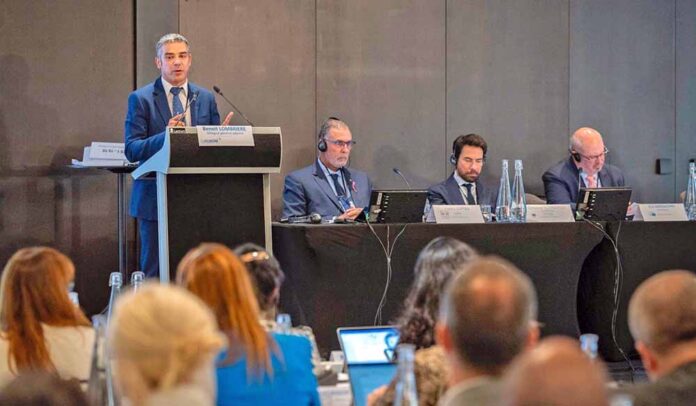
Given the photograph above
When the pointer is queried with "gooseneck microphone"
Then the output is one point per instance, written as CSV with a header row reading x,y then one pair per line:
x,y
398,172
218,91
313,218
189,101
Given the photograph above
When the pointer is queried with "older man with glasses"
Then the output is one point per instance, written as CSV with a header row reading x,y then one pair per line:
x,y
585,167
328,187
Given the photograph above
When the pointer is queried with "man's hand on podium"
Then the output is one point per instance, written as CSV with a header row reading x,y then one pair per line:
x,y
177,121
228,118
351,214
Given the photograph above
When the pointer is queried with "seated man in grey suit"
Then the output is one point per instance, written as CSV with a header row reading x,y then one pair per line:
x,y
463,186
557,373
584,167
328,187
662,319
487,318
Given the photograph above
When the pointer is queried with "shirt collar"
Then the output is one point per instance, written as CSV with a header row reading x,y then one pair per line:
x,y
168,87
328,171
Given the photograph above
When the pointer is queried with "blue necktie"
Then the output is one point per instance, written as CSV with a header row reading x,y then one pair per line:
x,y
177,108
469,196
339,189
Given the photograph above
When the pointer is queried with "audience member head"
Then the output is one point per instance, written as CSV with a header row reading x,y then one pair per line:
x,y
266,276
217,276
173,58
335,141
437,263
487,317
34,290
469,156
662,319
587,149
45,389
555,373
162,337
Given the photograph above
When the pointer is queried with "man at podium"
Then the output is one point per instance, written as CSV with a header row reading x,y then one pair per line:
x,y
328,187
171,100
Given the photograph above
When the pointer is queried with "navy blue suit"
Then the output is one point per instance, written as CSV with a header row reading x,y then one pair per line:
x,y
448,192
307,191
146,122
562,181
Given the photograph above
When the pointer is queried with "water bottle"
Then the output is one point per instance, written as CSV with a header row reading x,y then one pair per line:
x,y
137,279
690,200
115,282
284,322
502,209
518,206
406,393
589,343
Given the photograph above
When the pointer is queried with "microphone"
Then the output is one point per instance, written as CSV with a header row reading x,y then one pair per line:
x,y
218,91
313,218
579,178
189,101
398,172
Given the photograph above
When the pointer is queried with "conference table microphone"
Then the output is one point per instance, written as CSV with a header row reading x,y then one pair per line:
x,y
218,91
398,172
313,218
189,101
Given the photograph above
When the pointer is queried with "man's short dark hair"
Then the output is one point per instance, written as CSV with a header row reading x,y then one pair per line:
x,y
473,140
488,309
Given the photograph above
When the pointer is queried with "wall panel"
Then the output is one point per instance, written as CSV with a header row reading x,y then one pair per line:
x,y
685,90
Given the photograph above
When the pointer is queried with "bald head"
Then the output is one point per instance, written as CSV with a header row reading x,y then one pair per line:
x,y
588,143
662,311
488,310
555,373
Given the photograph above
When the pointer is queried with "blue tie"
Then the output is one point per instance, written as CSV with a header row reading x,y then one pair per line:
x,y
177,108
339,189
469,196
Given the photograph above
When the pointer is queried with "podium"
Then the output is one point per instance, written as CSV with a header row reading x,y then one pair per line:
x,y
211,193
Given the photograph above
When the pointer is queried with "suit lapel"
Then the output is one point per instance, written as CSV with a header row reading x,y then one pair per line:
x,y
604,178
160,99
481,197
324,185
453,191
193,104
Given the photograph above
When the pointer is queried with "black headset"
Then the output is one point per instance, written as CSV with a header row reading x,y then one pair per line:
x,y
321,145
455,156
576,155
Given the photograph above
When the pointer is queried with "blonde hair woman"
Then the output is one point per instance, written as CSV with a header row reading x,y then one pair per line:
x,y
42,330
260,368
164,341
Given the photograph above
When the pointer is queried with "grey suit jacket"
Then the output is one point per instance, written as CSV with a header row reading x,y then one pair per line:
x,y
674,389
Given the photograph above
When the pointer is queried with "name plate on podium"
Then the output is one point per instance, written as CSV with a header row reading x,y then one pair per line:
x,y
549,213
225,136
660,212
458,214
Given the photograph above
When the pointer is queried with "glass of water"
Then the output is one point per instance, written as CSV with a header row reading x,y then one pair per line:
x,y
487,213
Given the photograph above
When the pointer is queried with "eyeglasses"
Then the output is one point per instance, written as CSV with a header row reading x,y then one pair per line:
x,y
595,157
342,144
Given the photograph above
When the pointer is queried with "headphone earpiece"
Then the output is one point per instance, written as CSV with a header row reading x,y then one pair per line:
x,y
321,145
453,159
576,155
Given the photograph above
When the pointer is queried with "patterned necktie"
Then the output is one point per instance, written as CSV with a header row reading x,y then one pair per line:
x,y
592,181
177,108
339,189
469,195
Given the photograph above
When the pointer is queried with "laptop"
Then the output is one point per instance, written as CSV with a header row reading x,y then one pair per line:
x,y
397,206
603,204
369,353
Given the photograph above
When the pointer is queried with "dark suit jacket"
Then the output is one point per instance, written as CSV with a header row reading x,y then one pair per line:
x,y
448,192
146,122
561,182
674,389
308,191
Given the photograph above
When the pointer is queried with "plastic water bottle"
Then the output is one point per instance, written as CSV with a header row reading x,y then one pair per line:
x,y
518,206
690,200
502,209
406,393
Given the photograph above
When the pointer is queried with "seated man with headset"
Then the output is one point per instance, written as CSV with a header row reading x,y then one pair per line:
x,y
328,187
464,186
584,167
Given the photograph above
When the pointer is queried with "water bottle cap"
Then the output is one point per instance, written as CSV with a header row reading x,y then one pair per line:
x,y
115,279
518,164
137,277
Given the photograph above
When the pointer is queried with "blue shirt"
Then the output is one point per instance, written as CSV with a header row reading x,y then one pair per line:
x,y
292,383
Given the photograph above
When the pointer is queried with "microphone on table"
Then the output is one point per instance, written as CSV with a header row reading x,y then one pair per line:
x,y
189,101
218,91
398,172
313,218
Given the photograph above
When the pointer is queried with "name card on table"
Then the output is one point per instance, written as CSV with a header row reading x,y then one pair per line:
x,y
458,214
225,136
106,150
660,212
549,213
